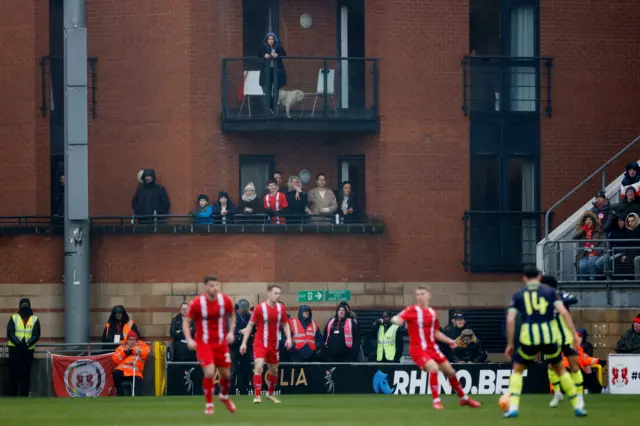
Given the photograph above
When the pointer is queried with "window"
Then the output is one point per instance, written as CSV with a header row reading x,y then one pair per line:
x,y
256,169
351,168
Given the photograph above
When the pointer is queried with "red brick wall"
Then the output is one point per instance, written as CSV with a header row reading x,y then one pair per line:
x,y
24,149
159,106
595,93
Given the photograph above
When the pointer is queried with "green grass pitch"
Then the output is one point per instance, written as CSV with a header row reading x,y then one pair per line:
x,y
311,410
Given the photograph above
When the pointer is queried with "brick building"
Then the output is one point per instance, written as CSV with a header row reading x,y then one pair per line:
x,y
473,106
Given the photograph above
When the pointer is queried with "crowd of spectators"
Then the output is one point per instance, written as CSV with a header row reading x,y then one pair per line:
x,y
609,236
281,204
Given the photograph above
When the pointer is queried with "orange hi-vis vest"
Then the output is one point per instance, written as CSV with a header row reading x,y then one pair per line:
x,y
134,363
125,329
583,359
302,336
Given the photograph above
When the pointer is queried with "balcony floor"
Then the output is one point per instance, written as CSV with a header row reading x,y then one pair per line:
x,y
345,120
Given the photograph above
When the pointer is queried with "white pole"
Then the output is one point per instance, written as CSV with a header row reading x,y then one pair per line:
x,y
133,386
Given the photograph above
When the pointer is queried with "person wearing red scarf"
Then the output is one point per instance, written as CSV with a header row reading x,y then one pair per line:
x,y
591,245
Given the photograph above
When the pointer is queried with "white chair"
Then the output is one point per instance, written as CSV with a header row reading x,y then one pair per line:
x,y
331,81
251,88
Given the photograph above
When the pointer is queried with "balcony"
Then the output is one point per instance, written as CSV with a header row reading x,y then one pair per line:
x,y
500,241
349,103
506,85
21,225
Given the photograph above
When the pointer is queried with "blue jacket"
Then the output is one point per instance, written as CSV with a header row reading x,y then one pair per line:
x,y
205,216
306,351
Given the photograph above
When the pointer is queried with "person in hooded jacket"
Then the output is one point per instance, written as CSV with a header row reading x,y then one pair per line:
x,y
469,348
118,326
203,212
342,336
591,247
306,336
151,198
180,350
223,209
602,209
250,203
241,373
273,75
23,332
586,345
631,178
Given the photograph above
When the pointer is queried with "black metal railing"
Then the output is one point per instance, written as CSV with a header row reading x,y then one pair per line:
x,y
54,65
236,223
351,88
504,84
15,225
500,241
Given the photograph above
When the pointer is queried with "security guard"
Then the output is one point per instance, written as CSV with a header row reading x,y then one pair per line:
x,y
389,339
23,332
129,359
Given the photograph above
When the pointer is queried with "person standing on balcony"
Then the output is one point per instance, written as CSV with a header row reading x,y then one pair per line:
x,y
589,231
203,212
631,203
151,198
321,200
273,76
297,200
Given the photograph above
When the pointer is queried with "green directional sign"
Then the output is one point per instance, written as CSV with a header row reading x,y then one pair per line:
x,y
324,296
338,295
311,296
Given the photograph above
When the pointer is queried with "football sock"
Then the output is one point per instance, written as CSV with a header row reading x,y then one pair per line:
x,y
455,384
515,389
271,381
434,384
554,380
257,384
578,381
224,387
569,389
207,389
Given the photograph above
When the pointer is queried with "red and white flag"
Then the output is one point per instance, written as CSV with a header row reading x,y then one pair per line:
x,y
82,376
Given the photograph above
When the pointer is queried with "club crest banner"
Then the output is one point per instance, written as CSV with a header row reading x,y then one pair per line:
x,y
87,376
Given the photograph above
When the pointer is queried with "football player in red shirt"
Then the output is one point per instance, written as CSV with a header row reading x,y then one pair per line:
x,y
424,329
210,312
268,317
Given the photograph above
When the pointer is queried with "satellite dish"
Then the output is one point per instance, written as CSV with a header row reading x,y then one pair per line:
x,y
305,176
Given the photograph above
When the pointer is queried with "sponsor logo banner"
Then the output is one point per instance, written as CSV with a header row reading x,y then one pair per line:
x,y
87,376
371,378
624,374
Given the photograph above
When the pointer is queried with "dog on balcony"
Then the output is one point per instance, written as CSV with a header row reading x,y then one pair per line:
x,y
289,98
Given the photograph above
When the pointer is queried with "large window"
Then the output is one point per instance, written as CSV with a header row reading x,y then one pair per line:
x,y
256,169
351,168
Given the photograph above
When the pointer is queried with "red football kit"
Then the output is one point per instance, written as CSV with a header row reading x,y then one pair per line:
x,y
268,320
422,325
210,318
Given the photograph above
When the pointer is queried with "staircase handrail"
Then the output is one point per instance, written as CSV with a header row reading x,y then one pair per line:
x,y
547,217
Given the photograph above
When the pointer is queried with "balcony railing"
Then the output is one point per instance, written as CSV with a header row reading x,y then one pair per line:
x,y
349,103
610,264
500,241
17,225
501,85
50,65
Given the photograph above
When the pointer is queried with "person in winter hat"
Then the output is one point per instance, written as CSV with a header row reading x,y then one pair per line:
x,y
203,212
631,178
150,198
629,343
602,209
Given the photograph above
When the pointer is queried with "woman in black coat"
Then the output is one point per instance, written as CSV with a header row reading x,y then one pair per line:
x,y
297,201
347,207
272,69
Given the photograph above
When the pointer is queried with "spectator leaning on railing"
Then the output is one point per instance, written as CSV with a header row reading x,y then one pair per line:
x,y
203,212
223,209
250,203
589,251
